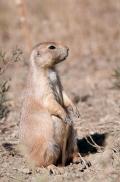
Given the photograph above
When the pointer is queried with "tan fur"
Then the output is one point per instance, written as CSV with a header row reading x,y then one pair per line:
x,y
45,109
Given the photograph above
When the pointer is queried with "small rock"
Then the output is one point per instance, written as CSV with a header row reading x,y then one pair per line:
x,y
25,170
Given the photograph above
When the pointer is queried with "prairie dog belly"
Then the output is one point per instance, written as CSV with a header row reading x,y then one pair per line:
x,y
58,125
58,129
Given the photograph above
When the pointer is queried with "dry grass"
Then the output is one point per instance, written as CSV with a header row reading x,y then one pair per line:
x,y
4,110
116,76
91,30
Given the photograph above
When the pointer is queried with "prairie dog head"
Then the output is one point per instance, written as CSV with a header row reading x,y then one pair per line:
x,y
48,54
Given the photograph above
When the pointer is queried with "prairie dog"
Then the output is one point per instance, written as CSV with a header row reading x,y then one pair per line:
x,y
44,114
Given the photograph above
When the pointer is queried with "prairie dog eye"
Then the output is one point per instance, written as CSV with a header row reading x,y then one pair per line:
x,y
51,47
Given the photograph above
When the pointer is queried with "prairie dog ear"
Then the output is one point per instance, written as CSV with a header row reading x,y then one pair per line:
x,y
38,53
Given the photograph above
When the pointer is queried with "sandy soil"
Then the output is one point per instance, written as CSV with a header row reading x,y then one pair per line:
x,y
91,30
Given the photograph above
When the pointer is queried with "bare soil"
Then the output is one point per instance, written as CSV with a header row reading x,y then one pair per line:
x,y
91,29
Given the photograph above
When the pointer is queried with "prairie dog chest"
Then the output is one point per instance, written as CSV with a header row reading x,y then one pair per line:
x,y
53,77
55,85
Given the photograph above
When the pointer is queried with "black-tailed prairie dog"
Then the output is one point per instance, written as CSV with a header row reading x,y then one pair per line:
x,y
44,114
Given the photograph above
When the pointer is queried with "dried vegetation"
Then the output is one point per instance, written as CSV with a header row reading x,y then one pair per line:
x,y
92,73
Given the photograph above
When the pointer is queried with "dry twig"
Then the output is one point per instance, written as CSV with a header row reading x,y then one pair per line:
x,y
22,12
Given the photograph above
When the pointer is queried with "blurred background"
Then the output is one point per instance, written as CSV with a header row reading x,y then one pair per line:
x,y
85,25
90,28
90,75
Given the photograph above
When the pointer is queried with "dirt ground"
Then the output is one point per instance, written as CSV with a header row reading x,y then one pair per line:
x,y
91,29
